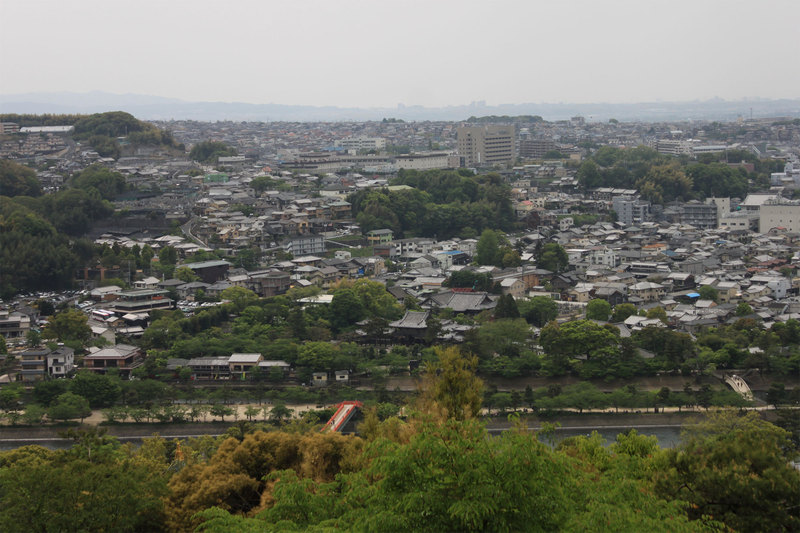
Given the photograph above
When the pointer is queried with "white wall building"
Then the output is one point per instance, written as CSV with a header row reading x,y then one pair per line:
x,y
779,215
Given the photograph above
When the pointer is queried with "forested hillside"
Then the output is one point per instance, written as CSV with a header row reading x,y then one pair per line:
x,y
39,245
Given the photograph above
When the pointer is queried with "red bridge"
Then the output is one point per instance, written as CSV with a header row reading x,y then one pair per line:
x,y
344,413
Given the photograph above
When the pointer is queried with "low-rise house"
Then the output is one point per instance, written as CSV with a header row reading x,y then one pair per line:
x,y
122,357
242,363
14,325
61,362
34,364
210,368
146,283
514,287
268,367
379,236
728,291
647,291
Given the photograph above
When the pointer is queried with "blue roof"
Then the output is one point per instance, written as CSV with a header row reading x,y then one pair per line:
x,y
693,295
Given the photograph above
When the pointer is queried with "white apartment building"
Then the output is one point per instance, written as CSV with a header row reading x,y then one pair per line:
x,y
361,143
424,161
779,215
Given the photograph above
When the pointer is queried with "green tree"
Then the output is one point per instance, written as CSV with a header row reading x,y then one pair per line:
x,y
168,255
665,183
598,309
451,386
186,274
657,312
735,468
45,392
471,280
11,397
210,151
240,296
345,309
100,390
18,180
95,486
33,414
33,338
743,309
539,310
597,346
108,183
279,413
553,257
622,312
69,325
69,406
488,250
506,307
708,292
447,477
221,411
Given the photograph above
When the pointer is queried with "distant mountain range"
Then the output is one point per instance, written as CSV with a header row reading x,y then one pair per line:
x,y
159,108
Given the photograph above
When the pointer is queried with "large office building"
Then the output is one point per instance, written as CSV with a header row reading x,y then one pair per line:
x,y
485,146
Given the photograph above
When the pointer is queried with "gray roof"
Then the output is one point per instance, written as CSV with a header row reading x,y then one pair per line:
x,y
464,301
412,320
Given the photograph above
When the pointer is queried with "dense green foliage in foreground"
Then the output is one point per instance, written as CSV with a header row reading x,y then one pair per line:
x,y
429,473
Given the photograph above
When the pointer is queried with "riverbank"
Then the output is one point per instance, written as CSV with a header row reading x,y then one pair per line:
x,y
586,422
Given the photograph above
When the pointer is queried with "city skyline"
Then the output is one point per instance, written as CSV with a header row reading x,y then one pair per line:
x,y
359,54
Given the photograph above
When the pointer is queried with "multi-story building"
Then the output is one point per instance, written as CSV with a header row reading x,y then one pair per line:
x,y
483,146
779,215
631,210
14,325
140,301
362,143
535,148
674,146
34,364
308,245
702,216
423,161
60,361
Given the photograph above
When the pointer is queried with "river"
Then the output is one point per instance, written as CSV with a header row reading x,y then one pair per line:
x,y
668,435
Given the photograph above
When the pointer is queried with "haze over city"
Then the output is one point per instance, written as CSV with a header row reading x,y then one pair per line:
x,y
381,54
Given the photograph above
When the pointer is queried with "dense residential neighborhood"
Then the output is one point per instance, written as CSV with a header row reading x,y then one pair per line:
x,y
332,287
281,216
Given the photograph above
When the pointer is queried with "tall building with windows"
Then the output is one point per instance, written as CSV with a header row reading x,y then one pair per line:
x,y
484,146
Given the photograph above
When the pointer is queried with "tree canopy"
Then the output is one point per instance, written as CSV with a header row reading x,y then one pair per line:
x,y
210,151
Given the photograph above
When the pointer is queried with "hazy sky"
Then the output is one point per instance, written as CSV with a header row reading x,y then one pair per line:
x,y
384,52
